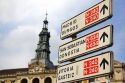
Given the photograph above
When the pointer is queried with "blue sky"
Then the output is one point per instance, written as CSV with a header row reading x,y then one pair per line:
x,y
21,22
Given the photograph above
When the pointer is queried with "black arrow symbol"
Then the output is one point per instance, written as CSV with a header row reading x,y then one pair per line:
x,y
103,9
103,36
84,41
104,62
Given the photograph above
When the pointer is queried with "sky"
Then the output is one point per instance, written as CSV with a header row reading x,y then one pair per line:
x,y
21,21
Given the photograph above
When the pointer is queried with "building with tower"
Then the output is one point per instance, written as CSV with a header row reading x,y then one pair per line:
x,y
40,69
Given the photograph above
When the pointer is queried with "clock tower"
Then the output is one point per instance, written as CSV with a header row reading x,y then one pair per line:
x,y
43,47
40,69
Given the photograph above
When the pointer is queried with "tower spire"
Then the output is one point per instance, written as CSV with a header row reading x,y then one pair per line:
x,y
45,22
43,47
46,15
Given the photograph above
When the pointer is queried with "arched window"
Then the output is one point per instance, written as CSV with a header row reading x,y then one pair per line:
x,y
48,80
24,81
35,80
2,81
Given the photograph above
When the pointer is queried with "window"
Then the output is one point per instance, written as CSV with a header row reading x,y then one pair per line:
x,y
78,82
13,81
24,81
2,81
35,80
92,80
48,80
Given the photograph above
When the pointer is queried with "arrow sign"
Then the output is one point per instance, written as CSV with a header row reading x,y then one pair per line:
x,y
103,9
92,16
86,68
103,36
104,62
87,44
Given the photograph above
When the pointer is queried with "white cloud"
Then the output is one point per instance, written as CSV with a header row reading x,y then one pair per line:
x,y
19,46
20,10
15,60
6,10
20,35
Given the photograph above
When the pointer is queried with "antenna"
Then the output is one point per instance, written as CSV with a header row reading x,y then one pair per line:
x,y
46,15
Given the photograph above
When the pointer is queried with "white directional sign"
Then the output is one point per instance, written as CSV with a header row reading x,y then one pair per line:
x,y
94,41
86,19
94,66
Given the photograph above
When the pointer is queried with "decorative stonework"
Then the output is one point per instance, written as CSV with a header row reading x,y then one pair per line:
x,y
54,76
43,76
18,78
118,71
30,77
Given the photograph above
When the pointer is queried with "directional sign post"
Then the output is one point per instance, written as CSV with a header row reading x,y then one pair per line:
x,y
92,42
101,64
98,13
